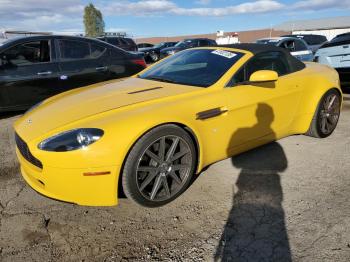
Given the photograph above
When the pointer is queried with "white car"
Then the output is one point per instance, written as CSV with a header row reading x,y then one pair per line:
x,y
336,54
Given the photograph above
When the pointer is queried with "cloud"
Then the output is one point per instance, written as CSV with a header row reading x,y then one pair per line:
x,y
164,7
321,4
60,15
246,8
203,2
146,7
40,15
158,7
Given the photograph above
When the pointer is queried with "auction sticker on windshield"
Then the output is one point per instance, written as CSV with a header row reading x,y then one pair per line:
x,y
224,53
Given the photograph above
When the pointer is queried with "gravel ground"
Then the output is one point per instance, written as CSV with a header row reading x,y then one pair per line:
x,y
285,201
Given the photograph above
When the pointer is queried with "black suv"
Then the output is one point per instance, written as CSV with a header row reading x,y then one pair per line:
x,y
34,68
122,42
152,54
185,44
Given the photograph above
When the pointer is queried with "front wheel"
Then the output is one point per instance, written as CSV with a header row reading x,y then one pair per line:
x,y
154,57
160,166
326,116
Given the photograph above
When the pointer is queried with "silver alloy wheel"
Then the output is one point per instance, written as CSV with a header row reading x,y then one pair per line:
x,y
329,115
154,57
164,168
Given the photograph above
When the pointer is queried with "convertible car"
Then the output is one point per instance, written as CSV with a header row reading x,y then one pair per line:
x,y
151,134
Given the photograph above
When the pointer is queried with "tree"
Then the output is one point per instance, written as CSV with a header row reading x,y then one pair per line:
x,y
93,21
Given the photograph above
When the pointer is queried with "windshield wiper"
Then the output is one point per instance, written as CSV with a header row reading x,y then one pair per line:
x,y
160,79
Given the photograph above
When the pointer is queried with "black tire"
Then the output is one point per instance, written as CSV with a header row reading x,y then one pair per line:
x,y
147,170
326,117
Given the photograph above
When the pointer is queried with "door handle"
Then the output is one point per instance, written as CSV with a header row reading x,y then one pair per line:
x,y
211,113
44,73
101,68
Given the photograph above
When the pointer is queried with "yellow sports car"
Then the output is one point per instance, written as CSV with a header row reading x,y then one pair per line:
x,y
150,134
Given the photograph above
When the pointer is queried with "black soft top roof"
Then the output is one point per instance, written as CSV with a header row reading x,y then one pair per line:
x,y
257,48
294,63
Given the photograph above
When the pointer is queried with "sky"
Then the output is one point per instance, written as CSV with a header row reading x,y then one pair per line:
x,y
147,18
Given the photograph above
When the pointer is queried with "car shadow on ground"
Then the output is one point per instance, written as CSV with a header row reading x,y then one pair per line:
x,y
255,229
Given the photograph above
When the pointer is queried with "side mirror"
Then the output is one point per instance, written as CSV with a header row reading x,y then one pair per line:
x,y
263,76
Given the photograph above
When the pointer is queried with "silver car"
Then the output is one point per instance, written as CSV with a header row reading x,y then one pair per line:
x,y
297,47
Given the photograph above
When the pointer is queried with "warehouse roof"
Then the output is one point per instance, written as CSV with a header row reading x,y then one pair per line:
x,y
316,24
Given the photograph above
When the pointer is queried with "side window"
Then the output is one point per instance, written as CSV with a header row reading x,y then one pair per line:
x,y
194,43
124,41
275,61
116,53
300,46
27,54
289,45
72,50
113,41
96,50
203,43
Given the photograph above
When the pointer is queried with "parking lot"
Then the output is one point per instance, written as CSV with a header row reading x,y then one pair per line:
x,y
285,201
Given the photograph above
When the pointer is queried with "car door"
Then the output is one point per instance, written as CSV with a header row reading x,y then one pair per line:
x,y
29,73
261,111
82,63
120,63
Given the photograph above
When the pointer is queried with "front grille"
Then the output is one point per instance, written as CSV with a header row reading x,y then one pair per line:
x,y
24,150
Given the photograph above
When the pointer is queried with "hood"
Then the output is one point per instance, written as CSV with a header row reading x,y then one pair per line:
x,y
77,104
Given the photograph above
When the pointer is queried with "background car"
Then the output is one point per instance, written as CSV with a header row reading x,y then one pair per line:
x,y
144,45
314,42
152,54
152,133
185,44
34,68
297,47
122,42
336,54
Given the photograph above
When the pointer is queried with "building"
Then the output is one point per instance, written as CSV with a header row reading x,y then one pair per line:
x,y
329,27
242,36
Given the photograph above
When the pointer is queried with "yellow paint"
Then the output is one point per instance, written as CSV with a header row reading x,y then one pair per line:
x,y
256,114
263,76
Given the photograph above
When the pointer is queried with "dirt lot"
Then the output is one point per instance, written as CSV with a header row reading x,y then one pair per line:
x,y
284,201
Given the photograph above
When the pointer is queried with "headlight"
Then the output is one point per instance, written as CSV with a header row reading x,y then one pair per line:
x,y
171,52
71,140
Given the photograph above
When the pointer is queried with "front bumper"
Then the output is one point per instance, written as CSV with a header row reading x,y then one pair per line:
x,y
71,185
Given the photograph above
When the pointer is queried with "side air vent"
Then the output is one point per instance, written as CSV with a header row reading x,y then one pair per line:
x,y
24,150
145,90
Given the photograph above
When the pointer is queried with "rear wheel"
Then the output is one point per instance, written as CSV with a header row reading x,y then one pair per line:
x,y
159,167
326,116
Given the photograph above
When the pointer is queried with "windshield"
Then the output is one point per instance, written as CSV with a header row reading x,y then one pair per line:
x,y
343,39
195,67
158,45
185,43
310,39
